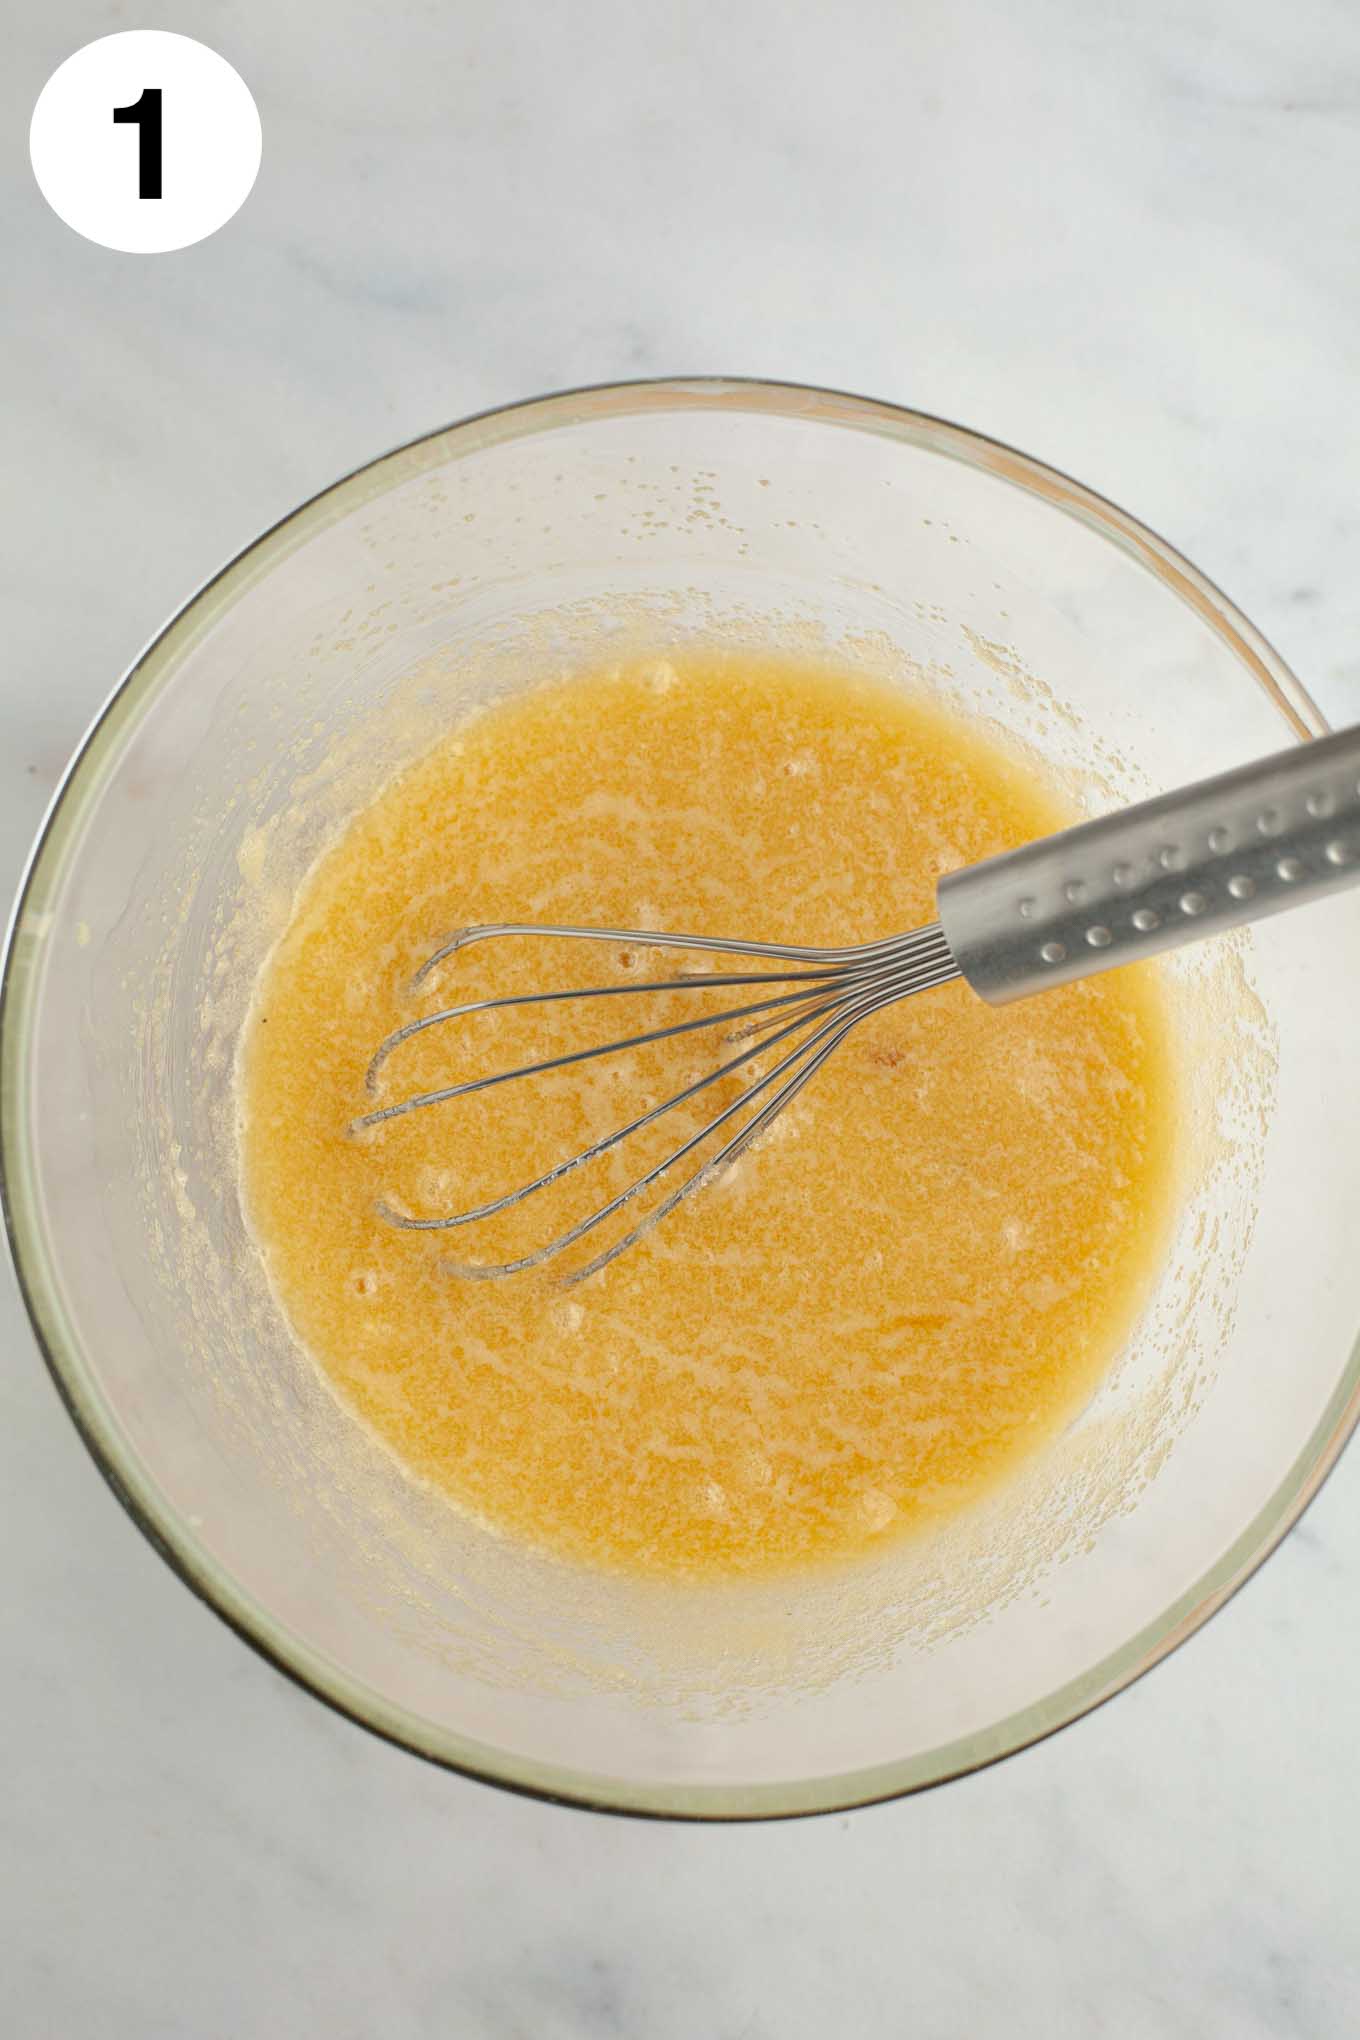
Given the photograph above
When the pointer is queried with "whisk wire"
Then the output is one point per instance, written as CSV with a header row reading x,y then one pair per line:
x,y
646,938
814,1005
831,1034
514,999
595,1052
846,972
839,989
604,1145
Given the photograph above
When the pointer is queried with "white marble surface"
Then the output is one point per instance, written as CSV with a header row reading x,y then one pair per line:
x,y
1121,237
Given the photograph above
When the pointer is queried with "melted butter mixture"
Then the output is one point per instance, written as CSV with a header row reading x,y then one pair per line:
x,y
918,1274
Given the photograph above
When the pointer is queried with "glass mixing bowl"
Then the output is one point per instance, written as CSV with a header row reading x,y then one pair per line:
x,y
277,700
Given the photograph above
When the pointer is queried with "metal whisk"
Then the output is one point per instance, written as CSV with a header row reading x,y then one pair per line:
x,y
1229,850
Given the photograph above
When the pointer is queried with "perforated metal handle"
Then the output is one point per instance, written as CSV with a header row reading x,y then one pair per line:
x,y
1171,870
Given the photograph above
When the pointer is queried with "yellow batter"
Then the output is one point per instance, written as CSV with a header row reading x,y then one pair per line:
x,y
917,1276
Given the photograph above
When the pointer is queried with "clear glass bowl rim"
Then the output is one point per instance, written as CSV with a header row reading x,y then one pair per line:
x,y
131,1482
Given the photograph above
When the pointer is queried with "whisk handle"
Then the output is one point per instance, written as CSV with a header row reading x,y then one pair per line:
x,y
1230,850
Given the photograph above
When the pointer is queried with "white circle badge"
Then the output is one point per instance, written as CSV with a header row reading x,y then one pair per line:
x,y
145,141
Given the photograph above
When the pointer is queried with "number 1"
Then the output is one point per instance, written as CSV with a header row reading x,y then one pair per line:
x,y
145,115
